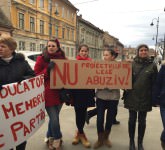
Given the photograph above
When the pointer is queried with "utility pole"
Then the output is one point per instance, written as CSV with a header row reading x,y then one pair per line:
x,y
164,49
50,19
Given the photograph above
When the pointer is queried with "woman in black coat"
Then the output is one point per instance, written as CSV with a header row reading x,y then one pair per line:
x,y
138,100
82,99
13,67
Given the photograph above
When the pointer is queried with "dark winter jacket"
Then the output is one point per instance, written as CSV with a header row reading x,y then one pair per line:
x,y
159,88
139,98
16,70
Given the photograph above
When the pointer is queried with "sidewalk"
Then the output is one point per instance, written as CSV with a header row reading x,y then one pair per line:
x,y
119,134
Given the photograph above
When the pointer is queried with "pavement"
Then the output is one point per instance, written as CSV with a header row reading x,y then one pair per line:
x,y
119,134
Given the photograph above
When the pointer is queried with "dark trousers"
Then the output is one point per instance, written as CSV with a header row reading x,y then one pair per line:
x,y
93,112
80,113
110,106
141,124
22,146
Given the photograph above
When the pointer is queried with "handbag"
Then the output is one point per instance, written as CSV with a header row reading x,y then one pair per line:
x,y
65,96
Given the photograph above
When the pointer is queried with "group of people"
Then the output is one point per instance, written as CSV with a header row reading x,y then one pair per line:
x,y
148,89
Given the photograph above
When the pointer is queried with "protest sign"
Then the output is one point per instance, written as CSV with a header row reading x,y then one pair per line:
x,y
75,74
22,109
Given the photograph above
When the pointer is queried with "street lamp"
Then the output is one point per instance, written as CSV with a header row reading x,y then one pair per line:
x,y
157,27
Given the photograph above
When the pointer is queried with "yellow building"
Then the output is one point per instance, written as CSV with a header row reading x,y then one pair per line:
x,y
36,21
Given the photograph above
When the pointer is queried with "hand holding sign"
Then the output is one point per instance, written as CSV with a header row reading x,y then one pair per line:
x,y
50,66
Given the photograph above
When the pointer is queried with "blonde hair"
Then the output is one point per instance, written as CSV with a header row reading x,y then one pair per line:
x,y
9,41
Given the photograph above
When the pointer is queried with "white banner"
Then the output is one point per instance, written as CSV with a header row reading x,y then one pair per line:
x,y
22,110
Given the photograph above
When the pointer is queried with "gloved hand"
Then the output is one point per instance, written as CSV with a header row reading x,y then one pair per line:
x,y
50,67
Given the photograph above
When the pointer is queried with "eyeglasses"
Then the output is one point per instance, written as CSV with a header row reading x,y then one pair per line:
x,y
51,45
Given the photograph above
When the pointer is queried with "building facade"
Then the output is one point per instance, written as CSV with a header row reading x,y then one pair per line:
x,y
36,21
113,41
89,34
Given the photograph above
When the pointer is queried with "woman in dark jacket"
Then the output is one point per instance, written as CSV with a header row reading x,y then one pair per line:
x,y
13,67
82,99
139,100
53,104
159,99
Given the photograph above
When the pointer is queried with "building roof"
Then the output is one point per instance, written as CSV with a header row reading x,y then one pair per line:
x,y
70,4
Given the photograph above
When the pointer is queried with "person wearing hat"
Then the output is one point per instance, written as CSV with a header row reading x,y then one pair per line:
x,y
53,104
138,100
13,67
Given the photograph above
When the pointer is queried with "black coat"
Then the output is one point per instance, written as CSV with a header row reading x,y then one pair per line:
x,y
16,70
159,88
139,98
83,97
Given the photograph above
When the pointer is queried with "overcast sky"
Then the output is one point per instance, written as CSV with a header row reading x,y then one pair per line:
x,y
127,20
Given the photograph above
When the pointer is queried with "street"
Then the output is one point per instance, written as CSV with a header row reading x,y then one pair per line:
x,y
119,134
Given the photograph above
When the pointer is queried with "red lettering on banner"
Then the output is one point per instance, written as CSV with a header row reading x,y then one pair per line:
x,y
64,75
2,144
8,110
16,127
99,80
25,129
19,108
3,94
32,82
128,75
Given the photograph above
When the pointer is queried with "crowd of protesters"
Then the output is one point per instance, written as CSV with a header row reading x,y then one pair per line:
x,y
148,90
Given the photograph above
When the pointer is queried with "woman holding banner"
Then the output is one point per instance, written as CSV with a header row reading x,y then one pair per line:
x,y
107,99
13,67
82,99
138,100
53,104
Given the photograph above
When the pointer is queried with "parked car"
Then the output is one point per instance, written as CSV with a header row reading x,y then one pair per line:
x,y
31,56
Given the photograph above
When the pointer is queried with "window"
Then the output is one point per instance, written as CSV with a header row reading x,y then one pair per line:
x,y
41,26
32,24
21,20
42,46
68,34
50,29
32,1
72,52
67,51
49,5
56,30
21,45
63,12
32,46
68,14
72,35
63,33
41,3
72,17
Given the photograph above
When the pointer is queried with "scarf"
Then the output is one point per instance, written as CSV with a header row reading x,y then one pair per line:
x,y
83,58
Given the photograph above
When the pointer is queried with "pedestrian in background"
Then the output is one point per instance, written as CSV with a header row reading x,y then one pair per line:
x,y
82,99
53,104
138,100
13,67
159,99
107,99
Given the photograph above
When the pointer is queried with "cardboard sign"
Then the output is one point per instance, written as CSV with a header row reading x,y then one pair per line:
x,y
73,74
22,109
